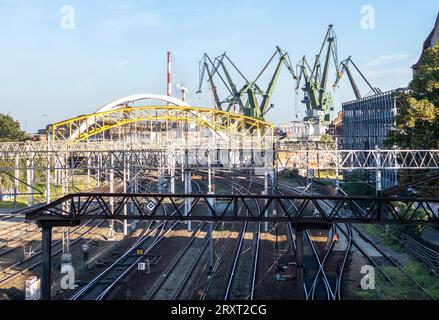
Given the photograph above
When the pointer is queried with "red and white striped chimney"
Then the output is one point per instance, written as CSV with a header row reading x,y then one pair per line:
x,y
169,89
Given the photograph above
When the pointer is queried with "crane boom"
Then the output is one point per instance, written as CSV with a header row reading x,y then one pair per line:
x,y
345,68
204,67
257,102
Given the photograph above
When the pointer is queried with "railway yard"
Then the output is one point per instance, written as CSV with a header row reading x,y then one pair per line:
x,y
241,260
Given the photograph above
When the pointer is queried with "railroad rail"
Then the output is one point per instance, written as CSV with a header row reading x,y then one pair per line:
x,y
101,285
20,267
236,287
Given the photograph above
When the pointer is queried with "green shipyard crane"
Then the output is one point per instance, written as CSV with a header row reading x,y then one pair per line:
x,y
317,99
251,99
344,68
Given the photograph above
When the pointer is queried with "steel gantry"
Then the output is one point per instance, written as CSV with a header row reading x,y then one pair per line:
x,y
308,209
304,212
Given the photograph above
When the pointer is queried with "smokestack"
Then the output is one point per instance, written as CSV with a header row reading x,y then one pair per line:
x,y
183,93
169,89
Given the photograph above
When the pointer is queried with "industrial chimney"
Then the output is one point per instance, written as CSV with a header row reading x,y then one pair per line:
x,y
169,88
183,93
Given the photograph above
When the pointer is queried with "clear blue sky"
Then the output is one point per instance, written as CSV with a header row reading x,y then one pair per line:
x,y
119,48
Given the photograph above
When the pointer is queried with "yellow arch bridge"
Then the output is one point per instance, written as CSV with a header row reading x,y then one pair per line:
x,y
84,127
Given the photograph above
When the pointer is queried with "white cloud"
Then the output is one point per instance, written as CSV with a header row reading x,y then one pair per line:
x,y
389,71
385,59
141,19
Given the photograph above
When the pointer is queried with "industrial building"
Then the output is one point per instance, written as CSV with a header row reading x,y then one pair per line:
x,y
366,122
297,130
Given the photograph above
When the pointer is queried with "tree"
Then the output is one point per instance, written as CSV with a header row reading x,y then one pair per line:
x,y
10,129
417,122
328,140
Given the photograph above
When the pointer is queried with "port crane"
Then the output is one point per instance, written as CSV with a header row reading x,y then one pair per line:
x,y
315,96
251,99
344,68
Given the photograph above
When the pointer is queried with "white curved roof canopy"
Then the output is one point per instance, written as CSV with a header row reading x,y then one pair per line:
x,y
123,103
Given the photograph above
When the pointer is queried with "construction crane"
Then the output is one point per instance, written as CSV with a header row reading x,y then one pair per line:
x,y
316,98
344,67
251,99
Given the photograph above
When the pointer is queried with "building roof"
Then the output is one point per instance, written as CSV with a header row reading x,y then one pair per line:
x,y
433,36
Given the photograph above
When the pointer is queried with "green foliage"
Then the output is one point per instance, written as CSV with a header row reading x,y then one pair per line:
x,y
417,123
357,184
419,214
413,267
10,204
385,235
328,140
10,129
6,183
417,271
421,273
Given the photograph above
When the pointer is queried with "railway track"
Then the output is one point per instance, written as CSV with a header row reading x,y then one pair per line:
x,y
28,264
312,283
99,287
173,280
317,263
389,280
320,285
17,237
16,229
104,283
242,277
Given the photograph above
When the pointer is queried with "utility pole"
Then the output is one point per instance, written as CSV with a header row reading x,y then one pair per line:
x,y
111,222
299,264
125,163
211,202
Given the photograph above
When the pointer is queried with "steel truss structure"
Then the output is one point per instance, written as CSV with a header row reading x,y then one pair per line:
x,y
248,154
221,122
357,159
299,209
57,163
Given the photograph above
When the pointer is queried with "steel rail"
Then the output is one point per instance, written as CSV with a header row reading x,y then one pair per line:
x,y
336,293
345,258
157,239
16,273
394,263
386,277
238,253
165,275
155,242
310,293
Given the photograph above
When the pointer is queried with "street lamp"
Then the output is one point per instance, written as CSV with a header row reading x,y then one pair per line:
x,y
48,118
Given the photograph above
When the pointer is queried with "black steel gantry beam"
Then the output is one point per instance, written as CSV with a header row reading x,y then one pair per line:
x,y
304,211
